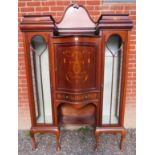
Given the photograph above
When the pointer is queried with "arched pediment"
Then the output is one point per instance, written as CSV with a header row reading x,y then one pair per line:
x,y
76,16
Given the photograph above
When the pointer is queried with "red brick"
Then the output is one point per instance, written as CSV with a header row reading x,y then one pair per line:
x,y
93,13
57,18
42,9
116,7
33,3
29,9
105,8
96,7
132,7
53,14
57,8
21,4
89,7
61,3
50,3
60,14
133,12
81,2
108,12
93,2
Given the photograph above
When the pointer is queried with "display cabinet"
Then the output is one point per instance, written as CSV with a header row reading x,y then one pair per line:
x,y
76,71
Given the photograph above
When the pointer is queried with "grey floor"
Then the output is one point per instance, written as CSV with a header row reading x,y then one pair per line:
x,y
77,143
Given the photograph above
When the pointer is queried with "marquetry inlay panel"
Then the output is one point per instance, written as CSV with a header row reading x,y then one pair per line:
x,y
76,66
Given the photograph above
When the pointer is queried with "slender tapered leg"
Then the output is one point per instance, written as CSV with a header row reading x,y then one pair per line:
x,y
34,146
123,135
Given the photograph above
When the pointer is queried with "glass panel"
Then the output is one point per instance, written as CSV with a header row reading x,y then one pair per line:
x,y
41,79
112,81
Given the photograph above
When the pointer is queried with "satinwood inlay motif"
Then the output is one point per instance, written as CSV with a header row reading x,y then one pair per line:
x,y
76,61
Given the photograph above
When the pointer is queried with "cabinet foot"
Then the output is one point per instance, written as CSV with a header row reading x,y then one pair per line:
x,y
97,141
43,130
110,130
123,135
58,148
34,146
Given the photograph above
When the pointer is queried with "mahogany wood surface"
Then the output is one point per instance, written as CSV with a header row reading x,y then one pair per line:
x,y
76,64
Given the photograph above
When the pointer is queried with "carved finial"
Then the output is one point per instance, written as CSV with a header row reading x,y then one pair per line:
x,y
75,5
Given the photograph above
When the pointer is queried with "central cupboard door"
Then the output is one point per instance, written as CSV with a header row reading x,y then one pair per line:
x,y
76,61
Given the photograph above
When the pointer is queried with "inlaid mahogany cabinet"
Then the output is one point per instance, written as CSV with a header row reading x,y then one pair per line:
x,y
76,71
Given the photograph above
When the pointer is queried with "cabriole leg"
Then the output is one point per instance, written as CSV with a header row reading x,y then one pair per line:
x,y
123,135
58,140
34,146
97,140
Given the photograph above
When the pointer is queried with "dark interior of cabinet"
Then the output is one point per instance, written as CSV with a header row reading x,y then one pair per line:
x,y
76,116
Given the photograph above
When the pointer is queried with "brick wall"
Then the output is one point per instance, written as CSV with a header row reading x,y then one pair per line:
x,y
56,9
